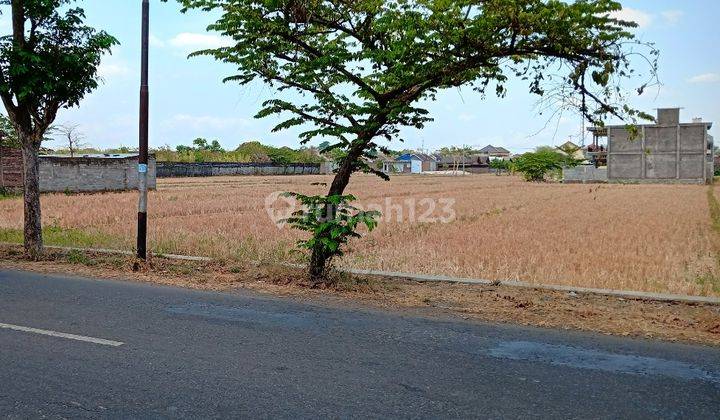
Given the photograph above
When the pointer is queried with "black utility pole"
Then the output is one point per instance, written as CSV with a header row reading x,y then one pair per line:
x,y
144,125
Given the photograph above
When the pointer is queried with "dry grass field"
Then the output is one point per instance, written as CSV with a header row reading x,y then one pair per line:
x,y
641,237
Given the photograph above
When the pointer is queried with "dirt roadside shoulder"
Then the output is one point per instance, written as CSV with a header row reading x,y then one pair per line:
x,y
684,322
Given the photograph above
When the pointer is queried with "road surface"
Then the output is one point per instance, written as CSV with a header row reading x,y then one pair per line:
x,y
81,348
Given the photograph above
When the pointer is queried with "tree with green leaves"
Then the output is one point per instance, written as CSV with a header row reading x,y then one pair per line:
x,y
363,70
8,136
48,62
534,166
202,144
500,166
256,151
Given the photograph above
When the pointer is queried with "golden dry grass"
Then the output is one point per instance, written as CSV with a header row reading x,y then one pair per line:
x,y
640,237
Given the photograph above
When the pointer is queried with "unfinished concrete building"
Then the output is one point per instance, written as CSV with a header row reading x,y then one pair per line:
x,y
668,151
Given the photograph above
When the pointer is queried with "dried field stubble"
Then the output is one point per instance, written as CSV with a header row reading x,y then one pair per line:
x,y
641,237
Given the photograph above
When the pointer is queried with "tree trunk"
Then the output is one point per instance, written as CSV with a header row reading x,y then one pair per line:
x,y
33,226
320,257
318,264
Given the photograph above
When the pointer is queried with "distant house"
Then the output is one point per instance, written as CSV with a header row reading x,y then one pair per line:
x,y
411,163
573,150
493,152
474,163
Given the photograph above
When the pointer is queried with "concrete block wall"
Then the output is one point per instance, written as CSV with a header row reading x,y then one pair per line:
x,y
661,153
61,174
81,174
585,174
181,169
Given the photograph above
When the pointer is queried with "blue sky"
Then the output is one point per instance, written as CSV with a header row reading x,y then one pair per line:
x,y
188,99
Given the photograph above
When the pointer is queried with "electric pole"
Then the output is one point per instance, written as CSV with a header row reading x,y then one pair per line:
x,y
144,133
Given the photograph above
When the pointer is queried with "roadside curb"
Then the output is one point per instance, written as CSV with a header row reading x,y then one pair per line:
x,y
521,284
119,252
423,278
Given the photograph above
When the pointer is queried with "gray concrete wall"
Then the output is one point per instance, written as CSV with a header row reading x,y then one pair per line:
x,y
61,174
585,174
661,153
177,169
668,116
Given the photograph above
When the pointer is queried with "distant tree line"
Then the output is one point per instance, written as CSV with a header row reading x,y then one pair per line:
x,y
203,150
71,141
533,166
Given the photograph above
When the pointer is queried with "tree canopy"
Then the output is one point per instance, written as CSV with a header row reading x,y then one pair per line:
x,y
534,166
201,145
49,61
357,72
362,66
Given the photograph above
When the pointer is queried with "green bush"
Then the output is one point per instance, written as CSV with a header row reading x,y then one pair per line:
x,y
536,165
78,257
500,166
7,193
331,221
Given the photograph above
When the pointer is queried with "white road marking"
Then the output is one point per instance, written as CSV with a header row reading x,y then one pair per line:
x,y
61,335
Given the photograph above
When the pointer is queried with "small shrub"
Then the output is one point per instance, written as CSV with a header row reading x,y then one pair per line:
x,y
7,193
536,165
77,257
332,221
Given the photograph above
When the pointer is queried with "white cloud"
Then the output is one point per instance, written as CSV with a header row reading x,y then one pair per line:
x,y
188,40
112,70
643,19
466,117
156,42
705,78
672,17
200,122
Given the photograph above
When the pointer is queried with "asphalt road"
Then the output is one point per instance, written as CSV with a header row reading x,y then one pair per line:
x,y
174,353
